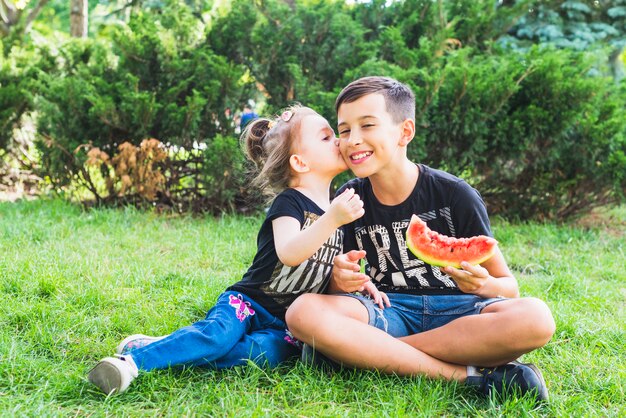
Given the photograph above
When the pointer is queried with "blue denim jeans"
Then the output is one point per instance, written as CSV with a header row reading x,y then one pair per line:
x,y
235,330
412,314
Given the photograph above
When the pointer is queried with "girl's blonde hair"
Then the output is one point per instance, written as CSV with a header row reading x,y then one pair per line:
x,y
269,144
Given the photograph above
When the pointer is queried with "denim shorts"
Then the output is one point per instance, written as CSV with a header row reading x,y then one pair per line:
x,y
412,314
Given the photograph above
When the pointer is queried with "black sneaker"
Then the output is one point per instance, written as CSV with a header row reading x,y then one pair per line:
x,y
524,377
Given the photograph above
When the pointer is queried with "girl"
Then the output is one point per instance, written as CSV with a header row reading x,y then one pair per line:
x,y
297,155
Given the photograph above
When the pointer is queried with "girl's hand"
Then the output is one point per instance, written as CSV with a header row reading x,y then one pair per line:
x,y
380,298
346,207
470,279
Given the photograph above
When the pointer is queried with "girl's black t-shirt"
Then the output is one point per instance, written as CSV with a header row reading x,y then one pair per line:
x,y
271,283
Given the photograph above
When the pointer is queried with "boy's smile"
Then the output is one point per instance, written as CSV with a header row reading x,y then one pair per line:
x,y
359,157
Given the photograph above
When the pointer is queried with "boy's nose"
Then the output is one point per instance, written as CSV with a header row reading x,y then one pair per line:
x,y
354,138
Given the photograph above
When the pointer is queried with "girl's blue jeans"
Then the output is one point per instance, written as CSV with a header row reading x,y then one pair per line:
x,y
235,330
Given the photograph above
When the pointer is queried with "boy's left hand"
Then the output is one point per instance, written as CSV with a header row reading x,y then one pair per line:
x,y
470,279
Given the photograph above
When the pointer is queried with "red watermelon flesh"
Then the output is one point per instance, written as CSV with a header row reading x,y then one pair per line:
x,y
441,250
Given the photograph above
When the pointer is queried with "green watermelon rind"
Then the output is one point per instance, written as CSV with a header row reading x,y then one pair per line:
x,y
445,263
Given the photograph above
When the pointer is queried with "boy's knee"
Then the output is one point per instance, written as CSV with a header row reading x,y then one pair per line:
x,y
541,319
299,312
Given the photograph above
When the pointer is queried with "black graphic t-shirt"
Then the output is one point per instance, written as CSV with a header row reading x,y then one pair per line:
x,y
446,203
271,283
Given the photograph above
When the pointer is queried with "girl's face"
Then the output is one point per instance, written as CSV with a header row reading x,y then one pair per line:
x,y
319,147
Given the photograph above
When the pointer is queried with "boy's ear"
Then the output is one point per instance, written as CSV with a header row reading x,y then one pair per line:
x,y
407,132
298,164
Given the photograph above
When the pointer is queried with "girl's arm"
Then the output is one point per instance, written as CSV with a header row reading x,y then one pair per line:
x,y
294,246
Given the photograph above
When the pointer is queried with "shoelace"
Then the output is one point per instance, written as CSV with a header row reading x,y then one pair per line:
x,y
488,381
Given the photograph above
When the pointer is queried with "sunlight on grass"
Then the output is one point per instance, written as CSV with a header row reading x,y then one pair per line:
x,y
74,283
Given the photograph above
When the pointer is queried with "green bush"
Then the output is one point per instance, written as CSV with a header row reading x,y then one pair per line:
x,y
155,78
537,130
536,135
21,64
296,51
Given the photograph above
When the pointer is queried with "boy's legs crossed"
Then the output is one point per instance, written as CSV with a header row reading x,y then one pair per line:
x,y
502,332
358,344
338,326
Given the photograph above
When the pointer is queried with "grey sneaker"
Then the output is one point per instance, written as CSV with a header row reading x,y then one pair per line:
x,y
134,342
113,374
525,377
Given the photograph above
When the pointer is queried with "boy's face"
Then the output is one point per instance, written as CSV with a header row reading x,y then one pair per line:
x,y
369,140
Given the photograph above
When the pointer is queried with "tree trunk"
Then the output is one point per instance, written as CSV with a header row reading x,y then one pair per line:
x,y
617,64
11,18
79,14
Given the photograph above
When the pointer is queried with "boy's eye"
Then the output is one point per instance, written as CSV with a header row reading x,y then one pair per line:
x,y
368,125
345,131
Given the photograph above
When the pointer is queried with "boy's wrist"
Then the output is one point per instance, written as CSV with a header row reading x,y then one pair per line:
x,y
494,287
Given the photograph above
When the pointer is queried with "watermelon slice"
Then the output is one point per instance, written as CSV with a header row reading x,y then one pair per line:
x,y
440,250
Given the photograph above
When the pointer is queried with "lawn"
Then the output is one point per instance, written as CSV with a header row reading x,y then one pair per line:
x,y
73,283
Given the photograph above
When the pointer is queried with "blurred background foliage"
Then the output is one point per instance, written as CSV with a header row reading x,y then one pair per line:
x,y
524,99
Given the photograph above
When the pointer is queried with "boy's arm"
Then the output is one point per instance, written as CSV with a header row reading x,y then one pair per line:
x,y
294,246
493,277
490,279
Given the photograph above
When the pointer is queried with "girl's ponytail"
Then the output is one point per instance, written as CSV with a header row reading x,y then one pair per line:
x,y
254,137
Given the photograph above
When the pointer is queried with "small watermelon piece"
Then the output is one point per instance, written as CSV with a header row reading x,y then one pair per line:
x,y
441,250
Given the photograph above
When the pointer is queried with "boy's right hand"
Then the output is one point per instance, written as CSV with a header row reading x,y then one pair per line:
x,y
347,276
346,207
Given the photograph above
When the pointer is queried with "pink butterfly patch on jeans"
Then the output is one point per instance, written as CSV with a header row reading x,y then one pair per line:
x,y
292,340
242,309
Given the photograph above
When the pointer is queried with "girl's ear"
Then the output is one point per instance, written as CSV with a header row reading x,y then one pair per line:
x,y
407,132
298,164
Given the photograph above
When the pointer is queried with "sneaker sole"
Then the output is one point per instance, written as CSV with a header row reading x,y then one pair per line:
x,y
543,395
120,346
106,377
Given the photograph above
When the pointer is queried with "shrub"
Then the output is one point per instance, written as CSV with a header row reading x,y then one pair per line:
x,y
532,131
156,78
537,130
21,64
133,171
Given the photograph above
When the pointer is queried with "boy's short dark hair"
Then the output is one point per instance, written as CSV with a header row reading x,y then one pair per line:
x,y
399,98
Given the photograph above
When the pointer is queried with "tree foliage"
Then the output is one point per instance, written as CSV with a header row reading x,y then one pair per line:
x,y
156,79
515,96
17,17
573,24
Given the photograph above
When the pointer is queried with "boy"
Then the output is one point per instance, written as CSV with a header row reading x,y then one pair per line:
x,y
464,324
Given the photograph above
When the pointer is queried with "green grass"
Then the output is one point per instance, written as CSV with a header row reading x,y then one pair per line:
x,y
73,283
